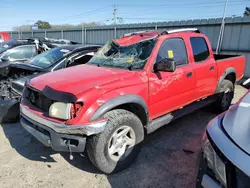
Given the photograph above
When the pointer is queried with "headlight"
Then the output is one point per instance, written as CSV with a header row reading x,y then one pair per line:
x,y
60,110
220,169
214,161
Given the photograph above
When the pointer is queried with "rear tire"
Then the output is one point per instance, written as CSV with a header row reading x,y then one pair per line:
x,y
225,96
119,144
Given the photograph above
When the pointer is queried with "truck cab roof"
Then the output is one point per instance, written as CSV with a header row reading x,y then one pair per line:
x,y
135,37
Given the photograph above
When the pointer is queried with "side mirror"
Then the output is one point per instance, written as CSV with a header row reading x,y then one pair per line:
x,y
5,58
165,65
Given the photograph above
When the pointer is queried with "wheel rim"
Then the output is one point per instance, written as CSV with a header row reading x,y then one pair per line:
x,y
121,143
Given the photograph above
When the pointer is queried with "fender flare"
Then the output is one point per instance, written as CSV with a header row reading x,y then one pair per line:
x,y
222,78
112,103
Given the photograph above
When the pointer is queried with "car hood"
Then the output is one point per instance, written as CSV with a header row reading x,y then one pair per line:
x,y
78,79
18,84
236,123
25,66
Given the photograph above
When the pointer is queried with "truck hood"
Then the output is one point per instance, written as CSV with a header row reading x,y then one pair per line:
x,y
78,79
236,123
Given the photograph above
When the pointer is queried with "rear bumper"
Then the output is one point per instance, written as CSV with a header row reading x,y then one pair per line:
x,y
9,111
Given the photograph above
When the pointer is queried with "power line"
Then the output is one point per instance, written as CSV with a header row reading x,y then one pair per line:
x,y
183,4
175,19
81,14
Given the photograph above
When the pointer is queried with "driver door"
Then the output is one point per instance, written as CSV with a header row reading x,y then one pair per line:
x,y
170,91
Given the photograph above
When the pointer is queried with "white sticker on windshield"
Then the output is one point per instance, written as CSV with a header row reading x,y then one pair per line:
x,y
6,46
64,50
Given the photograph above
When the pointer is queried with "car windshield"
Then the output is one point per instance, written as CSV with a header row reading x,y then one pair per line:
x,y
127,57
48,58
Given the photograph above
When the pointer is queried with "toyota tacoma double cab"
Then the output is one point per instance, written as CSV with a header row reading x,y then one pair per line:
x,y
131,87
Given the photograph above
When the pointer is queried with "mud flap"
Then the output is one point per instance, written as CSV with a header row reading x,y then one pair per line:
x,y
9,111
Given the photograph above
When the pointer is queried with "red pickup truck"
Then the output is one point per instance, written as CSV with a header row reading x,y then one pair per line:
x,y
131,87
4,36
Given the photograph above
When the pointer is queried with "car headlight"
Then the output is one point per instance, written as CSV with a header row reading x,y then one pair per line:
x,y
214,161
60,110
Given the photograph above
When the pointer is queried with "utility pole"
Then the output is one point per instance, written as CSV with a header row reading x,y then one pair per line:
x,y
115,17
222,28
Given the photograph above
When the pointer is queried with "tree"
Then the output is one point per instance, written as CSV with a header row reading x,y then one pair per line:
x,y
247,11
46,25
43,24
22,28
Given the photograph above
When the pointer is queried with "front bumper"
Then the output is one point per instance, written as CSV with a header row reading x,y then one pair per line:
x,y
87,129
50,138
205,176
59,137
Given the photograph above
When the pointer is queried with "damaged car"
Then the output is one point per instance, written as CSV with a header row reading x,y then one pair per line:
x,y
13,51
51,42
11,87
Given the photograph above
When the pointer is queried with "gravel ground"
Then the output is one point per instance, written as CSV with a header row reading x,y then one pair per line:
x,y
168,159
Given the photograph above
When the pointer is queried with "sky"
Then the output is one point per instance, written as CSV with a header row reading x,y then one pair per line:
x,y
26,12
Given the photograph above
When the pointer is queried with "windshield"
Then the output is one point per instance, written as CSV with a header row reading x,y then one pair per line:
x,y
132,57
48,58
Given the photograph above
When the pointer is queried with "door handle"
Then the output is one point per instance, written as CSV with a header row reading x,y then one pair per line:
x,y
211,68
189,74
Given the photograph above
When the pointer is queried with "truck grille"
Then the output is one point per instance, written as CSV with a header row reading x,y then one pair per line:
x,y
38,99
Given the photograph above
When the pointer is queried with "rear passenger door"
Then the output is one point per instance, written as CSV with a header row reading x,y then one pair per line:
x,y
169,91
204,68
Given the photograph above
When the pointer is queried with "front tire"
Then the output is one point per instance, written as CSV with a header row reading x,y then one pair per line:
x,y
226,95
119,145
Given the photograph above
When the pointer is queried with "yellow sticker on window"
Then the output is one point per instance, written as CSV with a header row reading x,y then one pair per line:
x,y
170,54
130,60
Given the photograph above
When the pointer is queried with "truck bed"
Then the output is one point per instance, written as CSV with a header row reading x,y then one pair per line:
x,y
219,57
225,61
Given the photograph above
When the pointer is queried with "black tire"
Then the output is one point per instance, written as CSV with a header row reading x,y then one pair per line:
x,y
225,96
97,145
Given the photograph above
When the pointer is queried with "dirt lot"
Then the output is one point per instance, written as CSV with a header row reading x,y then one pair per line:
x,y
162,162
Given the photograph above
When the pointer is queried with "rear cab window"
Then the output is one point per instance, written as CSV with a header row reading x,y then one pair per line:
x,y
200,49
173,48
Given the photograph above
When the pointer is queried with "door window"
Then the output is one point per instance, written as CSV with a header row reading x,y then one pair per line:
x,y
200,49
173,48
22,52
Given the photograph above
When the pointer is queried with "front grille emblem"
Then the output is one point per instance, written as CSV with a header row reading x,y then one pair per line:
x,y
32,97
